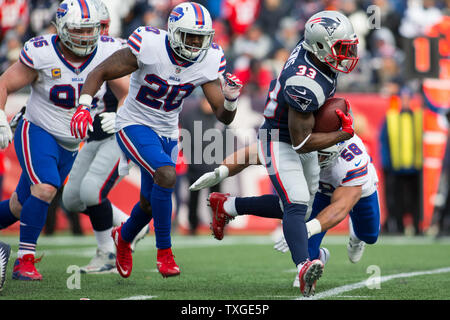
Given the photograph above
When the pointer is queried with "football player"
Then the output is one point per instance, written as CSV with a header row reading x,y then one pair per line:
x,y
165,68
56,67
286,144
96,169
348,185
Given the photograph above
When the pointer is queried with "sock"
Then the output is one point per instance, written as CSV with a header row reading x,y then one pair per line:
x,y
104,241
118,216
161,201
267,206
294,229
101,215
138,219
6,216
32,220
229,206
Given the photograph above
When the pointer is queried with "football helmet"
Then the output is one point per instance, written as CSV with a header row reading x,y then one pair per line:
x,y
328,155
105,18
187,20
329,35
78,25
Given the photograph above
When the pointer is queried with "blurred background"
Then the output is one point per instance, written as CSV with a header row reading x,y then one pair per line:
x,y
399,93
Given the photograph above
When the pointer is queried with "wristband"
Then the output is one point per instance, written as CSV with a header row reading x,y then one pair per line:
x,y
230,105
85,99
223,171
313,227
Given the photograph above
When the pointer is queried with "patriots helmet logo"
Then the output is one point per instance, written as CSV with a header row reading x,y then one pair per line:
x,y
176,14
62,10
329,24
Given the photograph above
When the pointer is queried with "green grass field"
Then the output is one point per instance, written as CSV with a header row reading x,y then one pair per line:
x,y
239,268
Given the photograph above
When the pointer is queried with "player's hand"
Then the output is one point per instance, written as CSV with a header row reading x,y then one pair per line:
x,y
108,121
81,122
281,244
346,122
210,179
231,86
5,131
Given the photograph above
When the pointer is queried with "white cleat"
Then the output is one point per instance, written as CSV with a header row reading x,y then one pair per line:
x,y
324,256
355,249
102,262
141,235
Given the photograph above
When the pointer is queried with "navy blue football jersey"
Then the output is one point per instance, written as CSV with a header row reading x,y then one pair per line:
x,y
301,85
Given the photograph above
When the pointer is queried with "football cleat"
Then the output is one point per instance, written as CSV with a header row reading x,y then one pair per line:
x,y
324,256
355,249
310,272
166,264
141,235
219,217
24,268
124,259
102,262
5,252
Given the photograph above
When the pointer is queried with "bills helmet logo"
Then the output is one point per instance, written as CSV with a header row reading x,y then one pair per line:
x,y
62,10
176,14
329,24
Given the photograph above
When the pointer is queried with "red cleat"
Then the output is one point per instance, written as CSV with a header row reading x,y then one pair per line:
x,y
166,264
308,275
124,259
24,268
219,217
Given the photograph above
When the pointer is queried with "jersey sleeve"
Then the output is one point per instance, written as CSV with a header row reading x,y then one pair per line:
x,y
135,41
303,94
27,55
223,61
356,177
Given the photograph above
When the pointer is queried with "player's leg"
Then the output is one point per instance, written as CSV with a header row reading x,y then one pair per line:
x,y
288,178
364,225
45,164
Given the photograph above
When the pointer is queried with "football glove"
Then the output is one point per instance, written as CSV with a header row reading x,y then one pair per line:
x,y
346,122
210,179
5,131
81,122
108,121
281,244
16,119
231,88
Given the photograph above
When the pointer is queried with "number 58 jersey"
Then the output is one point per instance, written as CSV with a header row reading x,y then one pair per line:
x,y
54,94
161,83
353,167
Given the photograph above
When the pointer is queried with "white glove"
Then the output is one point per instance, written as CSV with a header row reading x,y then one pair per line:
x,y
281,244
108,121
5,131
231,88
210,179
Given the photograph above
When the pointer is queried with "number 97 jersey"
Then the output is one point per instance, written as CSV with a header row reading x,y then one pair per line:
x,y
54,95
353,167
161,83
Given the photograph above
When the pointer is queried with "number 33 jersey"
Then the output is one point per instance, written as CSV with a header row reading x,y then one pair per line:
x,y
353,167
54,95
161,83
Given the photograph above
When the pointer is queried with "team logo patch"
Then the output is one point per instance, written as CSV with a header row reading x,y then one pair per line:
x,y
329,24
298,97
56,73
62,10
176,14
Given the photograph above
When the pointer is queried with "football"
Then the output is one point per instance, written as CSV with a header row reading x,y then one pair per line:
x,y
326,119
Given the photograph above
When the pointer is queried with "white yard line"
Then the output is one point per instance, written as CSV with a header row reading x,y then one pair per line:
x,y
139,298
340,290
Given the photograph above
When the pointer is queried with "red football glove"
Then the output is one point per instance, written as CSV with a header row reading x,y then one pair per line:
x,y
81,122
346,122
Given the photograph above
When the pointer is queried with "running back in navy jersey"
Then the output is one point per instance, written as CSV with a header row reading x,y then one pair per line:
x,y
111,103
300,85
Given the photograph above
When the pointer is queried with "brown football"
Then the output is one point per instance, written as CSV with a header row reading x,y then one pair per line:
x,y
326,119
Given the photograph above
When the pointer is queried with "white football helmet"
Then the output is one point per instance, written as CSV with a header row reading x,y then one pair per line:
x,y
190,18
329,35
328,155
78,25
105,18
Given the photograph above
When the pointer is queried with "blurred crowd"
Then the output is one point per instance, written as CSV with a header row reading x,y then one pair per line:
x,y
257,35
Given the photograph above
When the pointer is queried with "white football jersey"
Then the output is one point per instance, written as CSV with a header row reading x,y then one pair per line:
x,y
353,167
54,95
158,87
